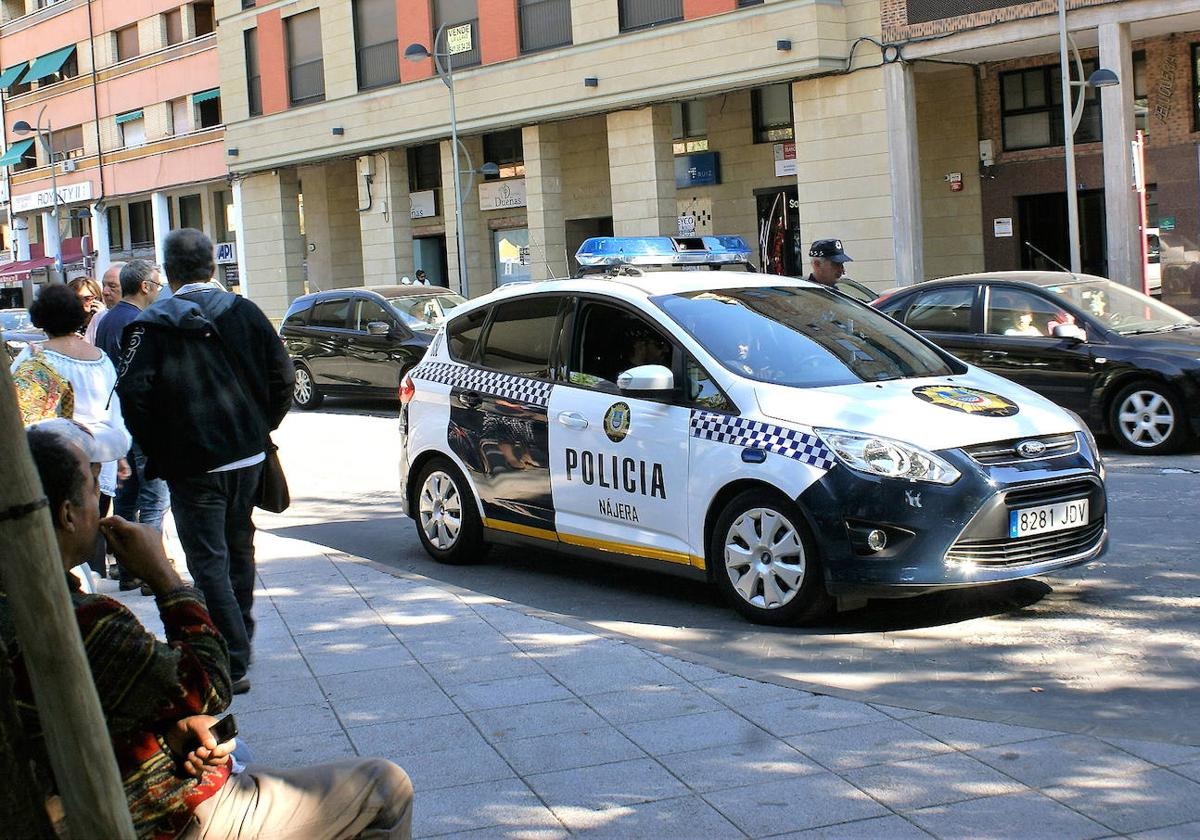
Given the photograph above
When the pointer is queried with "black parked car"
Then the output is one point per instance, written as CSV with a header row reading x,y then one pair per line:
x,y
1127,363
18,330
361,341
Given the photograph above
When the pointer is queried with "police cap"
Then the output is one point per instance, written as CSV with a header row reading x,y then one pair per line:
x,y
829,249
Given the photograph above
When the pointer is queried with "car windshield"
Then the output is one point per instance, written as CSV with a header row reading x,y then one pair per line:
x,y
801,336
1122,309
17,319
421,312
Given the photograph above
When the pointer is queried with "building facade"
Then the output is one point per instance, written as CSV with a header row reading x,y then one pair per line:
x,y
763,119
115,104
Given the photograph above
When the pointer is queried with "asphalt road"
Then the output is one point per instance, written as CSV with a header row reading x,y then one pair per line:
x,y
1112,648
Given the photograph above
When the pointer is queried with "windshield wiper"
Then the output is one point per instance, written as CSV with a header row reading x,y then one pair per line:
x,y
1167,328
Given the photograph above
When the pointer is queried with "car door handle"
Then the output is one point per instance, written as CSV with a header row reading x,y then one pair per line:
x,y
470,399
572,420
994,355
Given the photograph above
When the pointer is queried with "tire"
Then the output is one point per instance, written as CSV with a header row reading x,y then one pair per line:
x,y
446,516
305,394
1148,418
752,568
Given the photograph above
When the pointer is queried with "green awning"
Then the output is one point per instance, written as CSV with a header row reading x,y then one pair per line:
x,y
10,75
15,152
47,64
129,116
205,95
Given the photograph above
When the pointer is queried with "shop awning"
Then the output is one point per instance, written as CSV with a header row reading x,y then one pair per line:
x,y
20,268
10,75
47,64
15,152
74,250
129,116
205,95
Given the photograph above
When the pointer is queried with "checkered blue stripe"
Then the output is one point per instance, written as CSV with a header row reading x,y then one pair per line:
x,y
518,388
738,431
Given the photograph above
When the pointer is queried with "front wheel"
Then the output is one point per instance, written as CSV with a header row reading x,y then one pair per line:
x,y
1148,418
304,393
765,563
447,520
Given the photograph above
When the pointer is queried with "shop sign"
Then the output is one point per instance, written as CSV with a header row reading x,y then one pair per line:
x,y
697,169
502,195
1166,224
423,204
458,39
785,159
225,253
687,225
1002,227
68,194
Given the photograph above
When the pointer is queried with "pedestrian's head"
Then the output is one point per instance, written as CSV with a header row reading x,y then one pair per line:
x,y
188,257
828,261
58,311
72,486
140,281
110,284
420,275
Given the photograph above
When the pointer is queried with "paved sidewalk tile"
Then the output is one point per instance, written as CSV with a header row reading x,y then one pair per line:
x,y
413,736
536,719
414,703
345,659
1157,752
606,786
347,639
690,671
786,711
278,694
1018,816
596,673
693,732
299,750
567,750
472,669
464,763
878,828
1186,831
862,746
967,734
652,702
1062,759
513,691
284,722
686,818
508,807
803,802
936,780
398,680
1191,770
1154,799
738,765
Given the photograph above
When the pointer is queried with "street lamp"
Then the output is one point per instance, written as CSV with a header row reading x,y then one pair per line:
x,y
1071,117
21,128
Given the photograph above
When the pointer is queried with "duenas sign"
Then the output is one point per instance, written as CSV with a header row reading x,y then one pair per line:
x,y
502,195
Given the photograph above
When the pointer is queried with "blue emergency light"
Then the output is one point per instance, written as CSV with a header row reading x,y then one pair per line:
x,y
600,251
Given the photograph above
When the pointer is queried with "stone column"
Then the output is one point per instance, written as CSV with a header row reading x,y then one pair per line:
x,y
274,252
385,222
100,241
641,169
900,101
20,227
1123,216
544,202
161,213
50,236
239,232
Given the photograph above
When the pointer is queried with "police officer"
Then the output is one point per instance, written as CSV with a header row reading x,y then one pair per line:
x,y
828,262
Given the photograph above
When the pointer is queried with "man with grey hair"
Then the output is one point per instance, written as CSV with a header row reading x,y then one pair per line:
x,y
828,262
110,293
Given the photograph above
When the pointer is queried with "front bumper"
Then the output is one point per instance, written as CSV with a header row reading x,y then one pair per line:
x,y
957,535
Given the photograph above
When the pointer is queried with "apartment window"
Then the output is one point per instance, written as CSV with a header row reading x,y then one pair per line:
x,y
689,127
68,70
127,42
306,65
504,148
28,158
202,13
191,213
180,117
424,167
207,105
1031,108
771,110
223,216
174,22
131,127
20,86
544,24
744,3
68,143
116,229
253,76
461,18
248,4
141,225
375,43
640,14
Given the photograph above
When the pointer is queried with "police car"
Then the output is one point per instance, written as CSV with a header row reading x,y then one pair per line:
x,y
775,437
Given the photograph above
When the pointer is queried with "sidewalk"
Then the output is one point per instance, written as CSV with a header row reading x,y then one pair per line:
x,y
512,725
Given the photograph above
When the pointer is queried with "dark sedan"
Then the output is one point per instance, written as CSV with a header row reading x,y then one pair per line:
x,y
18,331
361,342
1127,363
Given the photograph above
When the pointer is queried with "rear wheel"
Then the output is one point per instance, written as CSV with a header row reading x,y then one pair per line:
x,y
765,563
304,392
447,518
1148,418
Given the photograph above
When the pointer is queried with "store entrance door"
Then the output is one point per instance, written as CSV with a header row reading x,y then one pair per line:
x,y
1042,222
429,255
780,248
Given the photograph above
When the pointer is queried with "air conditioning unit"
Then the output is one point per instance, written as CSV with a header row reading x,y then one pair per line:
x,y
68,165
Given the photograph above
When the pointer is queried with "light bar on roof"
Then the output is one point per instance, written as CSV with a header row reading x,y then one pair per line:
x,y
663,250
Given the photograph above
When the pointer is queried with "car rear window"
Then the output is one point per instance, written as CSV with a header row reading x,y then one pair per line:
x,y
521,337
298,316
463,333
331,313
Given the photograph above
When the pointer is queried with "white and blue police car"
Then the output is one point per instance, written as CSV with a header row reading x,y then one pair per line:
x,y
773,436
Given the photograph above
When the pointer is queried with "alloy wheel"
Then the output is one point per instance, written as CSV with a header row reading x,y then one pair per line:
x,y
304,388
440,510
1146,418
764,558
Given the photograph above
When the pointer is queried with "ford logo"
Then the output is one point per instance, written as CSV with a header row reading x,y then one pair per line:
x,y
1030,448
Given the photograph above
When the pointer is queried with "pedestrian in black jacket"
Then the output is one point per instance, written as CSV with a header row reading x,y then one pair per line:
x,y
203,381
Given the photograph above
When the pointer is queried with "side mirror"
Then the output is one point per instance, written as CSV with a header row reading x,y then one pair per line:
x,y
647,379
378,328
1070,331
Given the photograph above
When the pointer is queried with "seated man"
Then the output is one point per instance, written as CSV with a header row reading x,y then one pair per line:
x,y
157,696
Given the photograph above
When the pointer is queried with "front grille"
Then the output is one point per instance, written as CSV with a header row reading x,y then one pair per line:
x,y
1005,451
1044,494
1038,548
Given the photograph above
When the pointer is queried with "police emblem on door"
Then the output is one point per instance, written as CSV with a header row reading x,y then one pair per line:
x,y
616,422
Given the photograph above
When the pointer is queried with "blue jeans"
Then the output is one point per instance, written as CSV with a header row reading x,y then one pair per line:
x,y
141,499
212,516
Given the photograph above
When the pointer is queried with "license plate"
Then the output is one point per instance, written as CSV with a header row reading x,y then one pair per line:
x,y
1044,518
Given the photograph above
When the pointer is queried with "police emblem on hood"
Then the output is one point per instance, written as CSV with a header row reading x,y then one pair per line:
x,y
967,400
616,422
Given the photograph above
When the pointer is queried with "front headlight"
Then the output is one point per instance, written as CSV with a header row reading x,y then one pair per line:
x,y
1088,437
883,456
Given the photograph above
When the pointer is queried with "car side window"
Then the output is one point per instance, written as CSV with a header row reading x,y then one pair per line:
x,y
609,341
299,316
368,311
462,335
702,391
1021,313
331,313
942,310
522,336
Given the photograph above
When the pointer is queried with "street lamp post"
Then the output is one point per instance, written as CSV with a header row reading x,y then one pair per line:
x,y
20,128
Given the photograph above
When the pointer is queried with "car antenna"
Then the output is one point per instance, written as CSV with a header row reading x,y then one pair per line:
x,y
1050,259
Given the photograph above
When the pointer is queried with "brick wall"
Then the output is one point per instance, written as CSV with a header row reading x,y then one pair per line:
x,y
894,14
